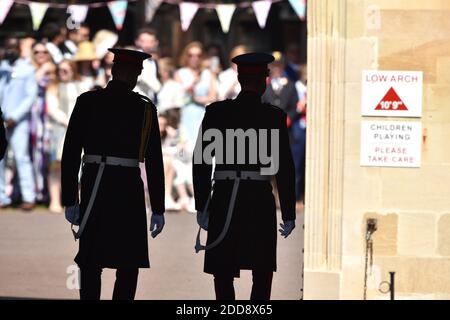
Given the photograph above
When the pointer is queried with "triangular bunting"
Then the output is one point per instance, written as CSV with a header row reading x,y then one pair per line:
x,y
150,8
299,7
225,14
118,11
5,6
38,11
187,13
77,12
261,9
391,101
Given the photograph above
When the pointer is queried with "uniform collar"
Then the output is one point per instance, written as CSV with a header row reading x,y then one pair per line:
x,y
249,96
119,85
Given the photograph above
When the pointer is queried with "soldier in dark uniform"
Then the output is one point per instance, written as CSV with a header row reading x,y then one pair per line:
x,y
116,129
240,216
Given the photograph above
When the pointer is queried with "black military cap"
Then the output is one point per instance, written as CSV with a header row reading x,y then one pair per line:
x,y
129,56
254,63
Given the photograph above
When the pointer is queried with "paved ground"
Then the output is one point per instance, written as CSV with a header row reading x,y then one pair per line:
x,y
36,250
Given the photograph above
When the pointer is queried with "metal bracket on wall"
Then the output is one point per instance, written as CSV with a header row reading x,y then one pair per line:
x,y
390,285
371,227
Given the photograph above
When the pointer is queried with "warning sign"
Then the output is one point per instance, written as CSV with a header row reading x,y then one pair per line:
x,y
391,144
391,101
392,93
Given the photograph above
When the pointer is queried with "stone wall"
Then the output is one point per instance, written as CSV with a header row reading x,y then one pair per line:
x,y
412,206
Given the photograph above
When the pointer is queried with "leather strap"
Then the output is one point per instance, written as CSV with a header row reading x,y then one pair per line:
x,y
102,161
237,176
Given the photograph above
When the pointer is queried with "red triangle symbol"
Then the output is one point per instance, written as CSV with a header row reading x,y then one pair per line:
x,y
391,101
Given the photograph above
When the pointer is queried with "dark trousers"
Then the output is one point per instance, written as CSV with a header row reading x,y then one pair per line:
x,y
261,289
124,287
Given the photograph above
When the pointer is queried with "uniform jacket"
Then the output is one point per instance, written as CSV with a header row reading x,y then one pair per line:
x,y
251,239
108,122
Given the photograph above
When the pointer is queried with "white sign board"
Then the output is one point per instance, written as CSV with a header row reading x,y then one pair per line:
x,y
391,144
391,93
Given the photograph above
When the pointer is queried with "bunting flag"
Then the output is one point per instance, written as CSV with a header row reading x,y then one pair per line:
x,y
118,11
150,8
187,13
78,12
38,11
5,5
261,9
299,7
225,14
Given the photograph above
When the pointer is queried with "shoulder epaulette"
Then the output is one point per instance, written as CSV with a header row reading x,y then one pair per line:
x,y
218,103
273,107
142,97
146,126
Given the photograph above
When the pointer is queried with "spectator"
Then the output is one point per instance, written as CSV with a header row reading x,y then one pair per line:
x,y
61,97
70,45
85,59
200,87
229,86
177,168
103,40
299,131
40,139
182,164
171,95
213,59
26,48
106,64
18,90
148,82
3,142
280,91
55,36
84,33
169,150
292,67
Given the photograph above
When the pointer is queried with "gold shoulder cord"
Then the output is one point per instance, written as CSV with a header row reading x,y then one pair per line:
x,y
145,133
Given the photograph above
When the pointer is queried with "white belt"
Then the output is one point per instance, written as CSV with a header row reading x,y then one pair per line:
x,y
102,161
237,176
113,161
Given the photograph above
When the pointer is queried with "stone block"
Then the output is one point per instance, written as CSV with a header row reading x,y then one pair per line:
x,y
385,239
444,235
417,234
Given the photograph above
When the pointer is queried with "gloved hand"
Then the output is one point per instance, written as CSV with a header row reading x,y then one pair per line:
x,y
202,220
72,214
286,228
156,224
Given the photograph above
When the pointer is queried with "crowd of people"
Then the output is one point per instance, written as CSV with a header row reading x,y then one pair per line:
x,y
40,80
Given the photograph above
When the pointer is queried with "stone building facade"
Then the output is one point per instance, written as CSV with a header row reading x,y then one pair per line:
x,y
411,205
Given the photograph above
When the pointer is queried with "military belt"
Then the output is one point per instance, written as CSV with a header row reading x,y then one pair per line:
x,y
237,176
102,161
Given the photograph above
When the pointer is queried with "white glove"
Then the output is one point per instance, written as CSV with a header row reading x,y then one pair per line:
x,y
157,223
202,220
286,228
